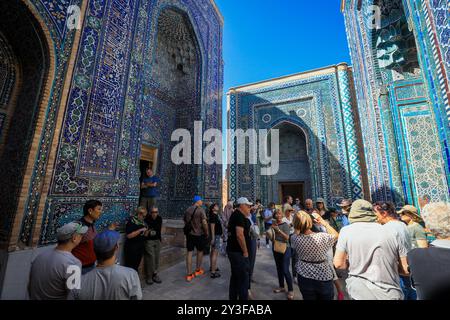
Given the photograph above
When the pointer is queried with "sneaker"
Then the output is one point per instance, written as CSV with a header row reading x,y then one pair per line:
x,y
149,282
189,277
215,275
267,246
199,272
341,296
156,278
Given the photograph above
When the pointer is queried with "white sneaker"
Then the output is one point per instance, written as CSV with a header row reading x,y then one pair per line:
x,y
268,246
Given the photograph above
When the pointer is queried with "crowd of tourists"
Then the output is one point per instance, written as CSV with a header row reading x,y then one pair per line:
x,y
380,253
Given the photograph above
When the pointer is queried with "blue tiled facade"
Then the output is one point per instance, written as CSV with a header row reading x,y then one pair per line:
x,y
401,74
321,104
106,101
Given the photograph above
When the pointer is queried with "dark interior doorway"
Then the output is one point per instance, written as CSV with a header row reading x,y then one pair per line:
x,y
293,189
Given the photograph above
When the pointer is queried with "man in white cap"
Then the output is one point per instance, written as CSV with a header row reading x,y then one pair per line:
x,y
238,250
52,271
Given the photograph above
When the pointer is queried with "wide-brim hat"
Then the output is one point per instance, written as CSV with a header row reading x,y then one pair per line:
x,y
410,210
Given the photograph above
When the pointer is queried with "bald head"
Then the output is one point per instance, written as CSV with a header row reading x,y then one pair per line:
x,y
309,204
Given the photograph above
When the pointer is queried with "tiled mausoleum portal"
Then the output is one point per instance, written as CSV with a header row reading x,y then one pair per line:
x,y
316,114
401,70
133,72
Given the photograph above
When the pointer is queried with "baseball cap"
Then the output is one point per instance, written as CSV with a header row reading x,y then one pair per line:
x,y
106,240
68,230
320,200
243,201
197,199
287,207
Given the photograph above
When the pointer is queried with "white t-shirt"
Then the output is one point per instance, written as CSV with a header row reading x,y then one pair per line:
x,y
373,253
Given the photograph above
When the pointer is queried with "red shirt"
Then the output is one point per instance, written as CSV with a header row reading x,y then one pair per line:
x,y
85,250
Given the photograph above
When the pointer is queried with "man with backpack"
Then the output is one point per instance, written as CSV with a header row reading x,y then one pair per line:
x,y
196,232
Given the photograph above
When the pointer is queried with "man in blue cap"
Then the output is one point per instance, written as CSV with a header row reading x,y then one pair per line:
x,y
109,281
196,231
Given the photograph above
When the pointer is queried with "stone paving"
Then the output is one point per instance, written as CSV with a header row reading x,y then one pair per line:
x,y
175,287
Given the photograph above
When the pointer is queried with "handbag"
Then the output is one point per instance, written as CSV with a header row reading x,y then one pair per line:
x,y
278,246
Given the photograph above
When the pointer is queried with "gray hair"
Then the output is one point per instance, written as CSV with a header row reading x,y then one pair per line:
x,y
437,218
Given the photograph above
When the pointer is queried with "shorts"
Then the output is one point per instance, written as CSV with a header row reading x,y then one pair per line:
x,y
216,244
197,242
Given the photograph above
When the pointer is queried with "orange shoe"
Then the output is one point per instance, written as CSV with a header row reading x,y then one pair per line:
x,y
199,272
189,277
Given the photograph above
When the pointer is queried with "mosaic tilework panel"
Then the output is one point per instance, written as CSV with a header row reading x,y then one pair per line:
x,y
58,213
425,156
372,79
311,104
62,48
92,80
58,13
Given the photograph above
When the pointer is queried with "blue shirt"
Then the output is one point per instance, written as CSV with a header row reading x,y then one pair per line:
x,y
268,213
151,192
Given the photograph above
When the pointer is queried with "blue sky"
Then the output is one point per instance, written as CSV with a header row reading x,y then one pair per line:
x,y
270,38
266,39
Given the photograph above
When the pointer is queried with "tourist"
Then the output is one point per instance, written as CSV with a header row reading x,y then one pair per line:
x,y
321,207
136,233
372,252
309,209
268,216
410,216
259,218
345,206
109,281
238,250
429,267
253,245
336,219
150,190
92,211
297,205
215,229
288,200
152,246
279,234
388,217
196,230
51,270
288,217
309,206
315,274
226,214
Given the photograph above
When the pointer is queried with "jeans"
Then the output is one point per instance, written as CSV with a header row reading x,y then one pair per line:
x,y
315,289
239,279
252,258
408,291
151,258
282,262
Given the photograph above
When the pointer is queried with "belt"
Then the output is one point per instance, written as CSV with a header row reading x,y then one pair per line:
x,y
314,262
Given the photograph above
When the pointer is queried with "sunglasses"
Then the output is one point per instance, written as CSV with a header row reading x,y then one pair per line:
x,y
154,212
